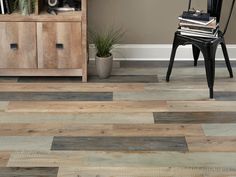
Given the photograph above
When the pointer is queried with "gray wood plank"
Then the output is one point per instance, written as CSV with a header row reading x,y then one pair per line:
x,y
219,129
225,96
56,96
194,117
119,144
28,172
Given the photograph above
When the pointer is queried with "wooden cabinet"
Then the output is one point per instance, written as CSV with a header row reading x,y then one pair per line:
x,y
18,45
60,45
43,44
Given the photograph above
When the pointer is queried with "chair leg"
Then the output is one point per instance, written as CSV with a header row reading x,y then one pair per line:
x,y
172,58
196,53
227,61
209,58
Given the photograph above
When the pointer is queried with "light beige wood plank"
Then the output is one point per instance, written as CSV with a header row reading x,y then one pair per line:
x,y
201,106
122,159
219,129
81,118
22,143
4,157
114,106
3,105
145,172
70,87
211,144
72,129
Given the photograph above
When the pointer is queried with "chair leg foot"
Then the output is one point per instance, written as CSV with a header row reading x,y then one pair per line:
x,y
211,90
196,53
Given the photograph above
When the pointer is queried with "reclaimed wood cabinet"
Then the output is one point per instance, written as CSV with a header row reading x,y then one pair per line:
x,y
42,44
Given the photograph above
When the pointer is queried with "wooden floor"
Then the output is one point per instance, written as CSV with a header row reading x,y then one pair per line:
x,y
133,124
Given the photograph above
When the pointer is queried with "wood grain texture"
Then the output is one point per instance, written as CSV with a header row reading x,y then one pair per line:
x,y
4,157
123,159
119,144
194,117
58,96
22,143
80,118
31,172
219,129
99,130
3,105
211,144
114,106
145,172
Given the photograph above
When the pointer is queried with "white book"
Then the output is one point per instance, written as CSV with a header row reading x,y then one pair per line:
x,y
197,21
2,6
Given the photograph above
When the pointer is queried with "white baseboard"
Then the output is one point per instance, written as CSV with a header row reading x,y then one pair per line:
x,y
158,52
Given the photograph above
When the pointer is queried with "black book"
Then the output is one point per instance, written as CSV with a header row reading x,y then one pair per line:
x,y
192,15
7,6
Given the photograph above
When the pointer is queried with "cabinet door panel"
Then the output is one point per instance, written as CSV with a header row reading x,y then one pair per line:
x,y
59,45
18,45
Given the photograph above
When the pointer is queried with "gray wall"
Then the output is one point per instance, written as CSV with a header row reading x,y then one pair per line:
x,y
147,21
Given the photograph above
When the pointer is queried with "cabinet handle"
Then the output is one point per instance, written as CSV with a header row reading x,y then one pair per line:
x,y
14,46
59,46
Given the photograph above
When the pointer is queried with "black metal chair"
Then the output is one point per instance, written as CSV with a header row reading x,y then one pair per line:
x,y
207,46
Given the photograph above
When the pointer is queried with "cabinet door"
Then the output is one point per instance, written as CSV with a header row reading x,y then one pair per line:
x,y
18,45
59,45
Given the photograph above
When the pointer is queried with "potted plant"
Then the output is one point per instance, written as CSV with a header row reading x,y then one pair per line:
x,y
104,43
26,7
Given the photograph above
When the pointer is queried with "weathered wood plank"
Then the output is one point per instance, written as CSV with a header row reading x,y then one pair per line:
x,y
122,159
8,79
194,117
80,118
31,172
211,144
225,96
4,157
23,143
70,87
119,144
145,172
219,129
58,96
99,130
3,105
80,106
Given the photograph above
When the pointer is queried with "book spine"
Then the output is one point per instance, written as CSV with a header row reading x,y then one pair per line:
x,y
7,5
2,7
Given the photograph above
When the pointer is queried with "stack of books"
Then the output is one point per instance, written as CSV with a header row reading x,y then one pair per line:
x,y
6,6
198,26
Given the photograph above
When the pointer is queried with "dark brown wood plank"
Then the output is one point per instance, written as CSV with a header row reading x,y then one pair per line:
x,y
50,79
57,96
29,172
194,117
119,144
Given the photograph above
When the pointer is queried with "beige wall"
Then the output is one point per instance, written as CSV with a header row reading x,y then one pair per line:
x,y
146,21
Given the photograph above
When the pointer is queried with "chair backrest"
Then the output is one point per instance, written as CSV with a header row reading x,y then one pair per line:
x,y
214,8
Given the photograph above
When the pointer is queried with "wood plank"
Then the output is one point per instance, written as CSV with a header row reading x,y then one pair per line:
x,y
90,106
23,143
58,96
162,95
145,172
80,118
225,96
3,105
194,117
119,144
211,144
8,80
122,159
99,130
219,129
70,87
4,157
201,106
31,172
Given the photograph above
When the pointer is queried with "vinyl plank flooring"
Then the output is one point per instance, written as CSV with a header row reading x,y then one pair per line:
x,y
3,105
119,144
211,144
4,79
122,159
219,129
99,130
194,117
4,157
49,79
145,172
28,172
81,118
162,95
93,106
225,96
58,96
23,143
70,87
